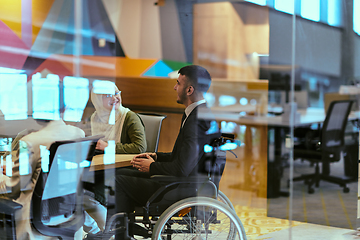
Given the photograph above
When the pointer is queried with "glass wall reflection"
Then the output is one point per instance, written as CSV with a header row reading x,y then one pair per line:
x,y
277,66
13,106
46,75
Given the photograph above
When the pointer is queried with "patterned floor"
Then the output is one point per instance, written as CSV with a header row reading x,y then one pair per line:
x,y
328,206
328,210
256,223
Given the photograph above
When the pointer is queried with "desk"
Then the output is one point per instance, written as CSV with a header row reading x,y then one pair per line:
x,y
267,163
121,160
102,162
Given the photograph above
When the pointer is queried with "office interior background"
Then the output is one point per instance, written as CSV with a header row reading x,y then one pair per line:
x,y
263,56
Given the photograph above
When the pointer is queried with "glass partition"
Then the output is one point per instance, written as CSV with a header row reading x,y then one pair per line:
x,y
321,182
51,52
277,66
305,54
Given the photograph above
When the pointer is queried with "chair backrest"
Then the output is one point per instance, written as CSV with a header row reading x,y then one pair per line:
x,y
57,200
333,130
152,123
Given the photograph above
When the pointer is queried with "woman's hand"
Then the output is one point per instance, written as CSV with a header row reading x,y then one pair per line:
x,y
142,161
101,145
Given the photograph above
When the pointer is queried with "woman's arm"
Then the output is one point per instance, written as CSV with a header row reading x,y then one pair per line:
x,y
133,136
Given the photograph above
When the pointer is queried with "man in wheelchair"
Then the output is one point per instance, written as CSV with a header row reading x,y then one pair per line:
x,y
183,172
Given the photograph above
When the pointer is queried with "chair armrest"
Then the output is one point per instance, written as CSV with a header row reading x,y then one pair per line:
x,y
172,179
171,182
8,206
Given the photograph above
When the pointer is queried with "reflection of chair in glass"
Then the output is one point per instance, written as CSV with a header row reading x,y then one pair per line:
x,y
326,146
186,208
152,124
57,199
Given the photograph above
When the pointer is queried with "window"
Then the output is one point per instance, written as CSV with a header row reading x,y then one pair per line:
x,y
326,11
13,96
334,12
356,17
258,2
46,97
286,6
76,95
310,9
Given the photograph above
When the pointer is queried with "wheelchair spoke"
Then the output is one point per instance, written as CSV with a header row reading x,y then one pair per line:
x,y
209,220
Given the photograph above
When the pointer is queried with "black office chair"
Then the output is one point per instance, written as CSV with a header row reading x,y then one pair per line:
x,y
57,206
186,208
325,146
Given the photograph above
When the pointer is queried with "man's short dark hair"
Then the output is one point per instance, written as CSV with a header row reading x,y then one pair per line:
x,y
198,76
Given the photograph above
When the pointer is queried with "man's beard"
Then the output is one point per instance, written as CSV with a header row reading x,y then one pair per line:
x,y
181,97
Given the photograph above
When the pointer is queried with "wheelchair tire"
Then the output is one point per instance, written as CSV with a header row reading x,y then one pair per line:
x,y
224,199
199,218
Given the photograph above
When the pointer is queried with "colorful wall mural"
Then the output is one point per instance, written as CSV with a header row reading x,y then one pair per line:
x,y
38,36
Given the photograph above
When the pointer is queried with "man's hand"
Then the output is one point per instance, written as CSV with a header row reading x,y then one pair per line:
x,y
142,161
101,145
152,155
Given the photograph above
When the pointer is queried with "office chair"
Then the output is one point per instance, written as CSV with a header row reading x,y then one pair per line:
x,y
56,204
326,146
152,123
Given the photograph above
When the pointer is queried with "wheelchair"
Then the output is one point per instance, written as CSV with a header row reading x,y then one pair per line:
x,y
185,208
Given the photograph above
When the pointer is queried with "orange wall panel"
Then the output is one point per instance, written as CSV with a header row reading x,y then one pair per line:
x,y
10,14
102,66
132,67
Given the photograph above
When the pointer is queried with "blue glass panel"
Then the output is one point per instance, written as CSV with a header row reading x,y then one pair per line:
x,y
356,17
334,12
310,9
103,87
285,6
13,96
76,96
258,2
46,97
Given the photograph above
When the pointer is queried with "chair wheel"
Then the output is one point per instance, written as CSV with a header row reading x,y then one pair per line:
x,y
346,190
311,190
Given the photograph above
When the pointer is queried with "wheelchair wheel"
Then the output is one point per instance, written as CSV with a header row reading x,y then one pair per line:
x,y
224,199
199,218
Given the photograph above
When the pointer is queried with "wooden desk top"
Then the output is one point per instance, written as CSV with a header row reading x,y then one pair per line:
x,y
107,161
